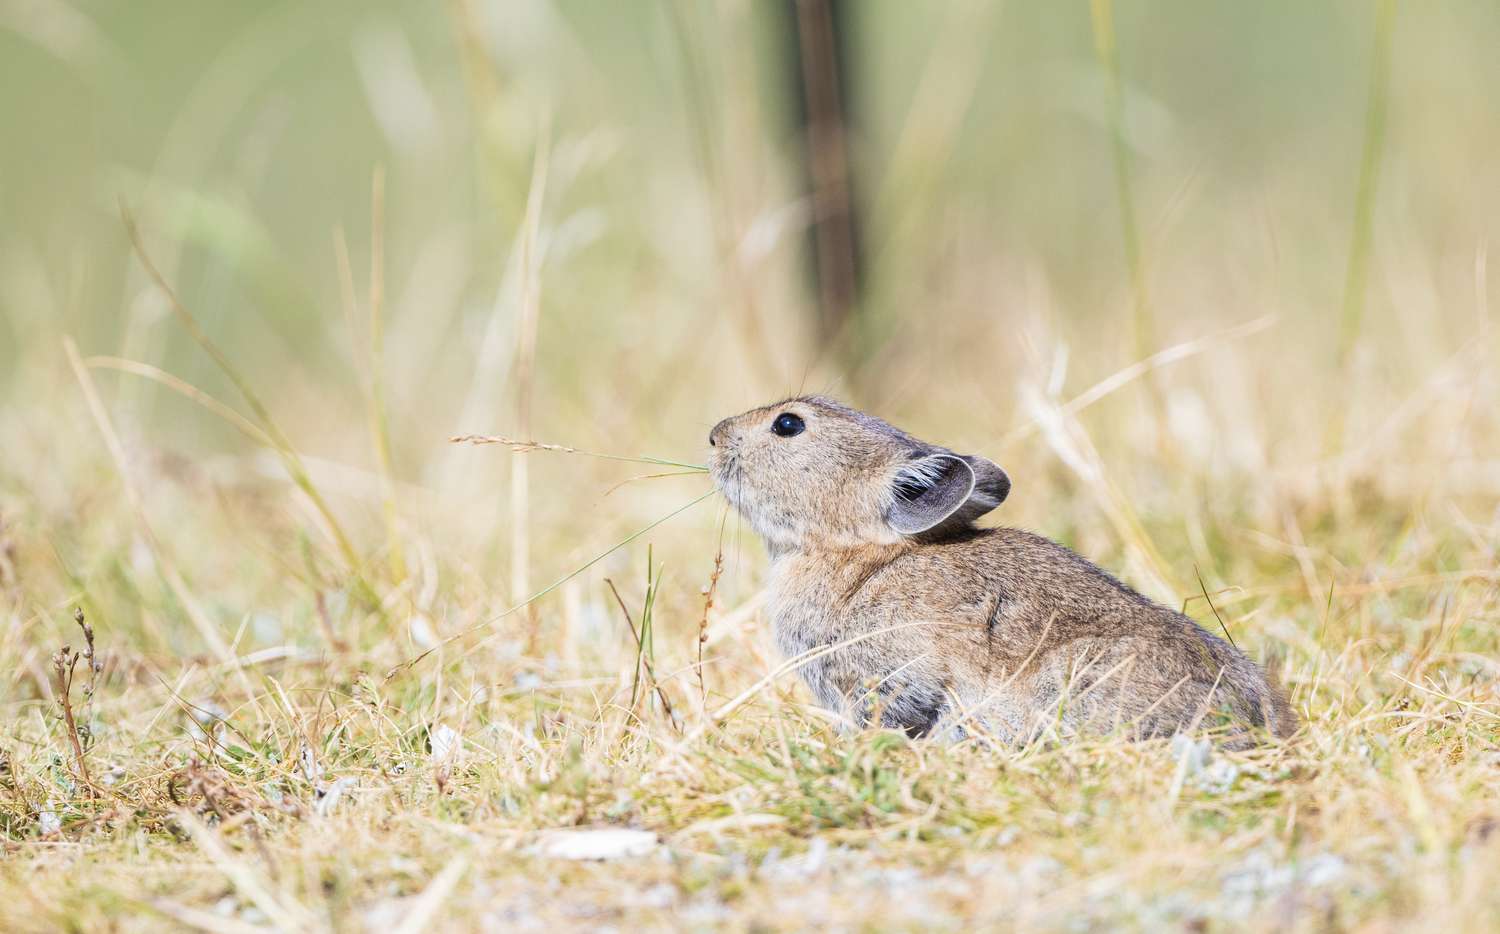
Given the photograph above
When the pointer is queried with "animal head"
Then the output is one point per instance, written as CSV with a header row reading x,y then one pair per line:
x,y
812,472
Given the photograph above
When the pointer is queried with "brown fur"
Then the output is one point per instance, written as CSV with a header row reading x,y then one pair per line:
x,y
948,625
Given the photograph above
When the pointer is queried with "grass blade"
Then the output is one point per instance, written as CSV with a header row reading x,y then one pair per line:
x,y
379,424
528,311
279,441
169,572
549,588
1352,319
518,446
1107,50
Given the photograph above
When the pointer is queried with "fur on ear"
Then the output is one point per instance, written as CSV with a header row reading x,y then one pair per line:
x,y
927,491
944,488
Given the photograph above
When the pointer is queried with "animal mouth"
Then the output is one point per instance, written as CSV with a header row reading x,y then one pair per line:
x,y
728,476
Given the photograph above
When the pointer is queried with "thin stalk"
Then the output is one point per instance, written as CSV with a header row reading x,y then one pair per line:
x,y
737,285
648,630
709,593
1107,50
550,587
650,666
168,568
1352,318
518,446
283,446
379,423
651,476
528,311
182,387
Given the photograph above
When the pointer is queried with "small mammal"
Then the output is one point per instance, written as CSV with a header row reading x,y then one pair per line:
x,y
872,544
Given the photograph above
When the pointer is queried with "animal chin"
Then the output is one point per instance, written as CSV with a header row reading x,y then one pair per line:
x,y
725,474
778,534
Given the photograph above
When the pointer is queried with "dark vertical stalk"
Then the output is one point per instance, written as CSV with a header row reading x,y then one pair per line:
x,y
821,33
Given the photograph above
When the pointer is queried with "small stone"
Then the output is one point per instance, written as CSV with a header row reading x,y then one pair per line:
x,y
597,843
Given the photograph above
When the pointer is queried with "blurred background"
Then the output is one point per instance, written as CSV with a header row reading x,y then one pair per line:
x,y
1179,266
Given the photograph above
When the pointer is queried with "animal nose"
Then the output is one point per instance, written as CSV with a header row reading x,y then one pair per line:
x,y
717,434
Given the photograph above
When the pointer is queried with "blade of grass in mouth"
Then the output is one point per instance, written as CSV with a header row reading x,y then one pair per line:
x,y
519,446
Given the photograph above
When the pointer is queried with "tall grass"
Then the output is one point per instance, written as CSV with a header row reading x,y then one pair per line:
x,y
1106,47
1352,317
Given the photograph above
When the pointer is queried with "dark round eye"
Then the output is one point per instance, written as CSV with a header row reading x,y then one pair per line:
x,y
787,424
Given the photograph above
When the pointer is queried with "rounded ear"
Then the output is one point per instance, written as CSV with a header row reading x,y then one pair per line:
x,y
944,489
991,486
928,490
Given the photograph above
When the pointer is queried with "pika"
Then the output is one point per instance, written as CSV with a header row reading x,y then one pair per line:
x,y
910,616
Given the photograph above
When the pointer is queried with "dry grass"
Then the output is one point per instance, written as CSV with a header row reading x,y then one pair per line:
x,y
317,704
296,785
